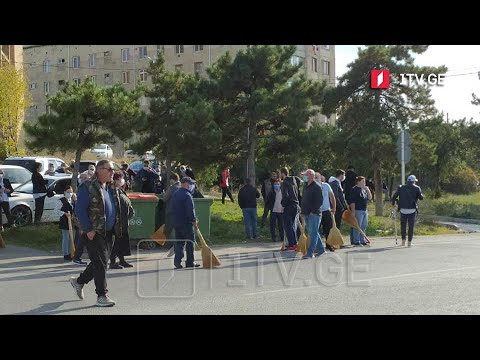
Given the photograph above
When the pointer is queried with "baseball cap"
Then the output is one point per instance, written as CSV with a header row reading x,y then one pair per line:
x,y
412,178
188,179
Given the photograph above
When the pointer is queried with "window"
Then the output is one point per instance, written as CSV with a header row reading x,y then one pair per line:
x,y
326,67
92,60
61,61
142,52
178,49
126,77
76,81
143,75
314,65
198,67
33,86
125,54
61,185
107,53
160,49
326,47
46,87
93,79
198,47
107,77
296,60
47,109
61,83
76,62
178,67
46,66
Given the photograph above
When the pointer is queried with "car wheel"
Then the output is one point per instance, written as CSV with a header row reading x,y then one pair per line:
x,y
22,215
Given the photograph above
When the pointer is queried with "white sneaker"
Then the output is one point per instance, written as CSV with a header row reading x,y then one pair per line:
x,y
409,244
77,287
104,301
403,242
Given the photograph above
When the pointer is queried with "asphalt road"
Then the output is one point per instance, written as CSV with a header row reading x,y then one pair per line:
x,y
438,275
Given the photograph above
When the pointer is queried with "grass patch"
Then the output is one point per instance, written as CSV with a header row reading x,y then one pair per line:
x,y
459,206
46,237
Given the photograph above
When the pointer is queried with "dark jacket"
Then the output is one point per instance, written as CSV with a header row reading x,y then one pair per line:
x,y
267,186
182,208
349,183
409,195
247,197
169,194
289,193
312,199
146,179
270,201
67,207
339,195
126,213
8,186
39,183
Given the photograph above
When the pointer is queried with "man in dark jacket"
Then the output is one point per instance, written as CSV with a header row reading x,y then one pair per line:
x,y
267,187
5,192
407,205
291,207
184,220
349,183
312,201
147,178
335,183
39,192
247,200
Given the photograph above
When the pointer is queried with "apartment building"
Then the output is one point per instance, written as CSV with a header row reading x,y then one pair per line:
x,y
50,66
11,54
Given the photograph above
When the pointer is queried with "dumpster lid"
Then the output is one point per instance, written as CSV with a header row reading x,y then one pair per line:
x,y
140,196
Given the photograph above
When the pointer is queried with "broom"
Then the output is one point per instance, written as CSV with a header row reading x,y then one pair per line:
x,y
70,233
209,259
303,242
334,237
159,236
351,220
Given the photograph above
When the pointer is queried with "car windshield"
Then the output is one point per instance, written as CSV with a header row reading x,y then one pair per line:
x,y
84,165
17,176
100,147
27,188
27,164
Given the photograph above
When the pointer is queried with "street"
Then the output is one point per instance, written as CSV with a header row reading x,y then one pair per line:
x,y
437,275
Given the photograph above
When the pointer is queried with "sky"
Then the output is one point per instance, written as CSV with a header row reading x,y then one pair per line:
x,y
455,96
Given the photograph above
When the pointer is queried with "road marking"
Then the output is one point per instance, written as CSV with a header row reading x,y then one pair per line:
x,y
373,279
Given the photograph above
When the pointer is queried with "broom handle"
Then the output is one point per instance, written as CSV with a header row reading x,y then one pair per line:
x,y
70,233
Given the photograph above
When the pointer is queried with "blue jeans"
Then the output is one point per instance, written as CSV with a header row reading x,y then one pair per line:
x,y
65,242
250,218
184,233
312,223
276,218
290,220
362,218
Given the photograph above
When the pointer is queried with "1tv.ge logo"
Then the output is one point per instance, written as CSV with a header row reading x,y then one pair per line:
x,y
380,79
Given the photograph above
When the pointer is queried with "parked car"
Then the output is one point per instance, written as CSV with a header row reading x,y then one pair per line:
x,y
130,154
28,162
22,203
102,150
16,174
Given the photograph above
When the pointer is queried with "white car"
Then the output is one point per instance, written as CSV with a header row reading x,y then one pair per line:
x,y
28,162
17,175
103,151
22,203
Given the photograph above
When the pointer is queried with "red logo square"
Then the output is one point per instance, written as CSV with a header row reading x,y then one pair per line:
x,y
380,79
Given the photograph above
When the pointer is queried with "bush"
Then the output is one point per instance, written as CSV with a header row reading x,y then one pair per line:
x,y
462,181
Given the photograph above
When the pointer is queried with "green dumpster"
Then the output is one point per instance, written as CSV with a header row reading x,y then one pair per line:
x,y
202,210
142,225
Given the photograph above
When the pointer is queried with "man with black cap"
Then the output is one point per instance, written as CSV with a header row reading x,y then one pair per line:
x,y
184,220
407,205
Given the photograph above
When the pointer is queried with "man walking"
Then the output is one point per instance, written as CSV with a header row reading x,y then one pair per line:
x,y
247,199
329,206
39,192
267,187
312,200
184,220
225,183
409,195
291,208
97,210
335,183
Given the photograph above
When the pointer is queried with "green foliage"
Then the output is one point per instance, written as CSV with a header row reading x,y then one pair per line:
x,y
462,181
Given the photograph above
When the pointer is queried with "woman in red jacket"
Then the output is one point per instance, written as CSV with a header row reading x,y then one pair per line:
x,y
225,184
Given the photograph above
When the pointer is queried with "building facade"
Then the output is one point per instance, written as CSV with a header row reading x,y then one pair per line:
x,y
50,66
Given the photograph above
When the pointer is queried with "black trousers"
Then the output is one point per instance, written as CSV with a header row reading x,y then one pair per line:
x,y
338,218
79,245
6,209
225,192
326,223
184,233
410,218
99,250
39,202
